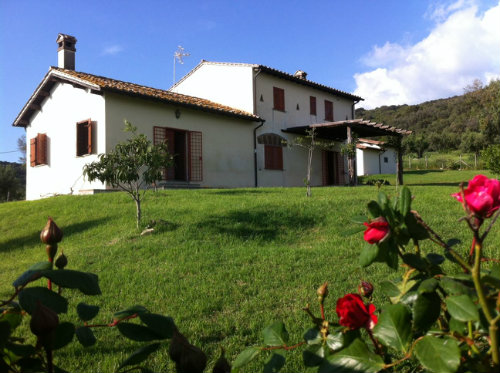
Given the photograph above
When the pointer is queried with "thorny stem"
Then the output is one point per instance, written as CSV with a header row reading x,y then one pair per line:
x,y
476,278
315,320
18,290
322,308
284,347
487,230
406,357
375,343
438,240
114,323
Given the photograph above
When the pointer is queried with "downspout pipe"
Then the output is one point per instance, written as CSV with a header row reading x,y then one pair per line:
x,y
255,151
352,108
259,70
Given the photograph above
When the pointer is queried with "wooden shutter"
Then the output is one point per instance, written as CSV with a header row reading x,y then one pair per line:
x,y
41,149
89,137
324,167
273,157
329,110
279,99
312,104
33,152
195,157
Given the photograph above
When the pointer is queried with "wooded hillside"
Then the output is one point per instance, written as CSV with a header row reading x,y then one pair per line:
x,y
469,122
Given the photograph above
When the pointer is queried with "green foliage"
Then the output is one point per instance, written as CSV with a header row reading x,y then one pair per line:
x,y
132,166
10,186
491,157
470,121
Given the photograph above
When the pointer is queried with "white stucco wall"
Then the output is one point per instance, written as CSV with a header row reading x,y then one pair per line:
x,y
227,142
227,84
57,118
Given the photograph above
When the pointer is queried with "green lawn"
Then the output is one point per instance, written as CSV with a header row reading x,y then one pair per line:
x,y
230,262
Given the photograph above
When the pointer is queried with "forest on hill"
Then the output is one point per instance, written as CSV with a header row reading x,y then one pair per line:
x,y
469,122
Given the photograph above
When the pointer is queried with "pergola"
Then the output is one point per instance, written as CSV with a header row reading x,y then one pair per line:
x,y
343,130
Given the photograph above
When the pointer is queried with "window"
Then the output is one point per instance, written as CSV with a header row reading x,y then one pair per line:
x,y
386,160
329,110
279,99
273,156
273,150
312,102
38,150
186,149
84,137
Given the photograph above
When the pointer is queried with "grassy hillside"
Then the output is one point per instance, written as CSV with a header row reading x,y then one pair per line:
x,y
229,263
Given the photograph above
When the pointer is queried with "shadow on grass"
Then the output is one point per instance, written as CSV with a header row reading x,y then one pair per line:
x,y
421,172
227,192
260,224
433,184
33,238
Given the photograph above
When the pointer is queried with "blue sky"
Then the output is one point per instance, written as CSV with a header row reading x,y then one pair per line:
x,y
388,52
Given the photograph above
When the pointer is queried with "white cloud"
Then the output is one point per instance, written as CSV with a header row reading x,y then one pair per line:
x,y
464,45
112,50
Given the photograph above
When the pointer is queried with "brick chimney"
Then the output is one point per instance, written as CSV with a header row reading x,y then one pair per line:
x,y
66,51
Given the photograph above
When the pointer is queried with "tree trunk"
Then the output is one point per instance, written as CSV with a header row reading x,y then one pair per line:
x,y
309,166
138,208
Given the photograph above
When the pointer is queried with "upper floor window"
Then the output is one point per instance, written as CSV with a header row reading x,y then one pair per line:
x,y
84,137
312,104
38,150
279,99
328,110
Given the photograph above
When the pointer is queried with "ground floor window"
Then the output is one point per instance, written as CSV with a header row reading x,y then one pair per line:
x,y
186,148
273,150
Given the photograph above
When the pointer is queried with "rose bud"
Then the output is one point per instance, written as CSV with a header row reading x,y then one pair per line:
x,y
365,289
377,230
354,314
482,196
61,261
322,292
51,234
43,320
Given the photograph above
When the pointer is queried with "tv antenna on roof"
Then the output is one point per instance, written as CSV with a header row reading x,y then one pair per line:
x,y
178,56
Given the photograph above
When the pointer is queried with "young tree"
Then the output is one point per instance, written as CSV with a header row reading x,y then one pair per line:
x,y
132,166
310,143
21,146
491,156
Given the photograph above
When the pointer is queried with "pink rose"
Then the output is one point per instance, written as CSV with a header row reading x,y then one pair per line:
x,y
354,314
482,196
377,230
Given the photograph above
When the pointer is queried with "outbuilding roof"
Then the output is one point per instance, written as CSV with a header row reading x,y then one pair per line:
x,y
99,84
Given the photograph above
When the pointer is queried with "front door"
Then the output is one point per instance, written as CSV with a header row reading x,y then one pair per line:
x,y
333,168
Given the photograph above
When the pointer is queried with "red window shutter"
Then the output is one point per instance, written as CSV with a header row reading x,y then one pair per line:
x,y
279,99
312,102
33,152
195,157
41,149
329,110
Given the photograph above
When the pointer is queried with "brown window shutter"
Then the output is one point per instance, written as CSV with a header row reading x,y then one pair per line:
x,y
329,110
195,157
33,152
312,103
279,98
42,148
273,157
89,137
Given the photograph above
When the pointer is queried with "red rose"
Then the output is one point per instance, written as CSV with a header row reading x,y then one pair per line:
x,y
482,196
377,230
354,314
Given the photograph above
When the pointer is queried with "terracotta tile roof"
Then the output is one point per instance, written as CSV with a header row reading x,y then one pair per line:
x,y
99,83
278,73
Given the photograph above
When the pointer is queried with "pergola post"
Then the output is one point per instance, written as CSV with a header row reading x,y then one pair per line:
x,y
351,158
400,160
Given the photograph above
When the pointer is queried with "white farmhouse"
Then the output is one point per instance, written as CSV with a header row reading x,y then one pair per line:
x,y
226,123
